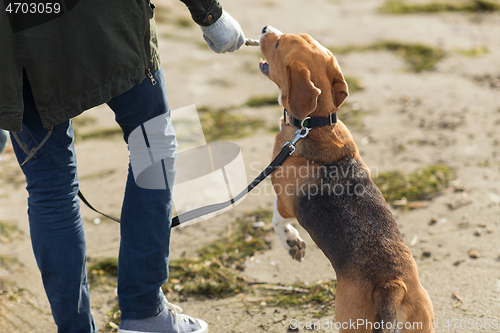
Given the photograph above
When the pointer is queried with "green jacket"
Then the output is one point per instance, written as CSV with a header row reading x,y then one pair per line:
x,y
91,52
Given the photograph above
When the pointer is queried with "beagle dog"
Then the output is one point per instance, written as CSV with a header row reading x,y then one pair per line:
x,y
326,186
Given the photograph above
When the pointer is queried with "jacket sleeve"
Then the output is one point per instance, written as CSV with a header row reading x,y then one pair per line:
x,y
204,12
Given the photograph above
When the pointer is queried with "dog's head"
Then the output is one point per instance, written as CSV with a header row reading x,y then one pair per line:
x,y
306,73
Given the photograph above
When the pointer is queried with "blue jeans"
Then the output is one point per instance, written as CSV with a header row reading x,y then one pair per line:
x,y
56,226
4,136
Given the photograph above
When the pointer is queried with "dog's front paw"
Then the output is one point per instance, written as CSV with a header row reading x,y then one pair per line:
x,y
297,248
288,235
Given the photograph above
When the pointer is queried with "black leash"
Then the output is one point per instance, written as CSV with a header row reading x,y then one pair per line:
x,y
287,150
80,195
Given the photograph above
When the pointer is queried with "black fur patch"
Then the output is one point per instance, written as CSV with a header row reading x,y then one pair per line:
x,y
348,218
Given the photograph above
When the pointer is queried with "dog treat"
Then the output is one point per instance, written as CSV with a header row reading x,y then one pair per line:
x,y
251,42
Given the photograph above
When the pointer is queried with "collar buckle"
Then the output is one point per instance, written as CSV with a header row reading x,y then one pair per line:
x,y
287,118
333,118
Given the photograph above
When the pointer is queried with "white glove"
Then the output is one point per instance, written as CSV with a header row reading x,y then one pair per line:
x,y
224,35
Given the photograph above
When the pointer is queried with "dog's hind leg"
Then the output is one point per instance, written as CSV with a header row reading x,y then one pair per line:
x,y
288,235
354,307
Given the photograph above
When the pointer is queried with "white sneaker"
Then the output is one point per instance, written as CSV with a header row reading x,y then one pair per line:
x,y
170,320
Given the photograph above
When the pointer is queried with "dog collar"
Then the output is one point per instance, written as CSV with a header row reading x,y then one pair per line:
x,y
309,122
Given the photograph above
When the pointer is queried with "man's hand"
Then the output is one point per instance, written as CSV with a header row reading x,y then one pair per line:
x,y
224,35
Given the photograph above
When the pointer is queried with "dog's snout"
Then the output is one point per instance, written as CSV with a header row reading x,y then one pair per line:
x,y
271,29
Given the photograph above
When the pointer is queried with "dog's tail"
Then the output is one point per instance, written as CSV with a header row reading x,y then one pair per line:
x,y
388,296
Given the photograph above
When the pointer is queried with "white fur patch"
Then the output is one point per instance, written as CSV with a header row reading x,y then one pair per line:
x,y
288,235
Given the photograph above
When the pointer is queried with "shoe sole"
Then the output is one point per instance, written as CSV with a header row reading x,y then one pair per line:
x,y
203,329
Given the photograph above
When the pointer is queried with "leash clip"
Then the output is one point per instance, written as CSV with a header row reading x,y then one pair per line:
x,y
298,135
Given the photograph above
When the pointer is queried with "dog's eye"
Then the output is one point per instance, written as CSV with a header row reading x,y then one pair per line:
x,y
276,46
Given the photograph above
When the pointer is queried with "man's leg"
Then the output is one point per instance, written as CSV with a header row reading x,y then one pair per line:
x,y
4,136
146,214
56,227
147,217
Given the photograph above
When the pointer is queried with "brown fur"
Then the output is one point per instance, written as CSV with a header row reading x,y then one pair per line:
x,y
376,273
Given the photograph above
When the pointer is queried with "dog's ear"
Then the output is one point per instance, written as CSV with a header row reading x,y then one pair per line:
x,y
340,90
302,93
